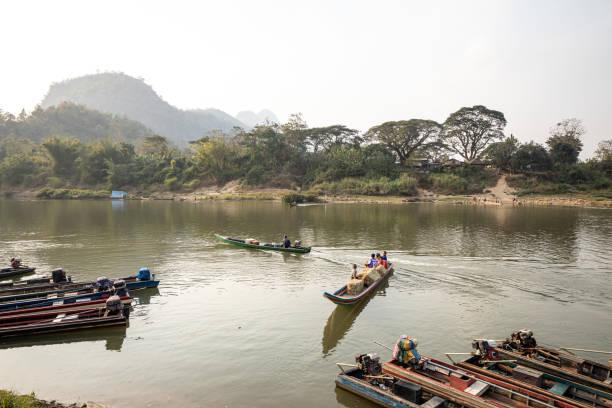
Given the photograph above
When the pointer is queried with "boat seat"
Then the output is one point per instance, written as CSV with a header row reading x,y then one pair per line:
x,y
477,388
559,388
434,402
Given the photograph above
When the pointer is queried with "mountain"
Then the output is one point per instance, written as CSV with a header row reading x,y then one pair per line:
x,y
122,94
73,121
251,118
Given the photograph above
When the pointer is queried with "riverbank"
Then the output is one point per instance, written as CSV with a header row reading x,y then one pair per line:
x,y
499,195
11,400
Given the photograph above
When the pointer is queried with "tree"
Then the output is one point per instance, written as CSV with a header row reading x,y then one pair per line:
x,y
216,159
324,138
406,136
469,131
531,157
64,155
604,153
563,153
501,153
568,131
154,144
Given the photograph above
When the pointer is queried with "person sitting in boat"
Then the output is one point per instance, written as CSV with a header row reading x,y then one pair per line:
x,y
354,273
381,261
372,262
384,255
15,263
286,242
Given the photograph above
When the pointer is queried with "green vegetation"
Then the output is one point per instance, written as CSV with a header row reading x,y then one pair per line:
x,y
394,158
11,400
290,198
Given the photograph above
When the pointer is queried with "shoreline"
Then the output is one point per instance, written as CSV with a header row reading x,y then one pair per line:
x,y
504,199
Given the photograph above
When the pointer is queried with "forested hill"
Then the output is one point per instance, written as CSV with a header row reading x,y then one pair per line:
x,y
73,121
124,95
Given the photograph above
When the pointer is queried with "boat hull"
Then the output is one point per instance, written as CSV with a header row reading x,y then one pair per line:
x,y
9,272
231,241
338,298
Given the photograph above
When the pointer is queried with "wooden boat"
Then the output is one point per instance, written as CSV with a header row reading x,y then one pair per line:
x,y
543,383
340,297
522,347
47,284
20,270
470,388
242,243
37,314
51,300
388,391
65,323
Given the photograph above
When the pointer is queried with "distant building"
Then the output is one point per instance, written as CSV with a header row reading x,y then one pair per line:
x,y
118,194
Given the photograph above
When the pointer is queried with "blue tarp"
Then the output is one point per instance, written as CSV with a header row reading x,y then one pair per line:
x,y
118,194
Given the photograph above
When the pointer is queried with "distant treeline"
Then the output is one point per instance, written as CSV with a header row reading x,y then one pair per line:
x,y
384,160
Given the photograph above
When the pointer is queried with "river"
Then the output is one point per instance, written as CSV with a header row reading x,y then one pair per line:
x,y
244,328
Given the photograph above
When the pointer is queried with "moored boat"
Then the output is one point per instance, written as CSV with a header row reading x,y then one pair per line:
x,y
534,380
37,314
522,347
141,281
341,297
469,388
245,244
113,314
15,269
366,380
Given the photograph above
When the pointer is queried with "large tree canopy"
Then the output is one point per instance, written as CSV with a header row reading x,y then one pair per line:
x,y
469,131
406,136
568,131
324,138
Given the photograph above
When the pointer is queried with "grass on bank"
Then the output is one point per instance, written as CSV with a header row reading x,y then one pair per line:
x,y
9,399
402,186
71,194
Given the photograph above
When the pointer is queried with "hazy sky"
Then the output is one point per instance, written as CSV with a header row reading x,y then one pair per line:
x,y
349,62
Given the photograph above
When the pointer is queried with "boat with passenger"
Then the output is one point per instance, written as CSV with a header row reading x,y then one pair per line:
x,y
255,244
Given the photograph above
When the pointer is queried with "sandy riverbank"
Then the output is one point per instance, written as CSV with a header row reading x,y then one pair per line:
x,y
501,195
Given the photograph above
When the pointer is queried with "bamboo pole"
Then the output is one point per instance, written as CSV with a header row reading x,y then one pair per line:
x,y
586,350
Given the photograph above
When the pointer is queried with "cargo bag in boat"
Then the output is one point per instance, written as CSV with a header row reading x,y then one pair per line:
x,y
372,276
354,287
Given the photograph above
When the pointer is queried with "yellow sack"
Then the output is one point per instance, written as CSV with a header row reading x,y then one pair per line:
x,y
354,287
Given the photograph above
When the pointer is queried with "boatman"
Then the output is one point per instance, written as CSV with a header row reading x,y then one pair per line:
x,y
286,242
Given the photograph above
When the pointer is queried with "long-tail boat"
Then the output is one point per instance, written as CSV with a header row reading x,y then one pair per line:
x,y
37,314
103,317
60,298
366,380
340,297
47,283
468,387
14,271
522,347
243,243
485,360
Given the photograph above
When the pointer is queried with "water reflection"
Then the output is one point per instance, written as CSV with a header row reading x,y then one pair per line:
x,y
341,320
144,295
118,205
113,337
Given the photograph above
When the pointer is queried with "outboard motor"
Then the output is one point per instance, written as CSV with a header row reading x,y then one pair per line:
x,y
121,288
58,275
369,364
297,244
144,274
102,284
485,349
114,305
521,340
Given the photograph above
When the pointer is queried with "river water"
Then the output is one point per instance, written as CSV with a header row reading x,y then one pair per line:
x,y
244,328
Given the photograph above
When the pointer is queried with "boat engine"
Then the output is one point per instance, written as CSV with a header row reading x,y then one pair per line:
x,y
120,288
369,363
58,275
521,340
144,274
103,283
485,349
